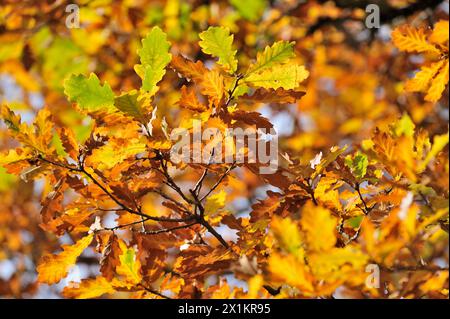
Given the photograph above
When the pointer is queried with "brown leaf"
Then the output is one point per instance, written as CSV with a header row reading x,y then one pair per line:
x,y
110,259
279,95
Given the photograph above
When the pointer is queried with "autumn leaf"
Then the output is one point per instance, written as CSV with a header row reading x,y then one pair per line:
x,y
53,268
430,79
129,266
440,32
288,235
274,96
422,79
410,39
280,52
88,288
358,165
111,258
353,126
316,217
189,100
215,202
285,76
324,265
212,86
132,104
189,69
69,142
291,271
109,155
438,84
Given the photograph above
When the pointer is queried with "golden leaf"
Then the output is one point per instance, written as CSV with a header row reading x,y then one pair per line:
x,y
289,270
410,39
438,84
88,288
319,227
52,268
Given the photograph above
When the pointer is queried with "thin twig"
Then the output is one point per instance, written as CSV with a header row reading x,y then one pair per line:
x,y
218,181
171,183
157,293
366,209
128,209
166,230
70,168
171,199
215,234
83,170
231,92
123,225
198,186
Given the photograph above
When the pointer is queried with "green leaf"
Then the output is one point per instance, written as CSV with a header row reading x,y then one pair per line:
x,y
154,56
250,9
358,165
354,222
88,93
279,52
287,76
218,42
131,105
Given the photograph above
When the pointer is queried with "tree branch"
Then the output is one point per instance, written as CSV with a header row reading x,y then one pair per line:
x,y
218,181
82,170
166,230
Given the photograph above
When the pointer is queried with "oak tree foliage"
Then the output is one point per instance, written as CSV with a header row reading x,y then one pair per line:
x,y
93,206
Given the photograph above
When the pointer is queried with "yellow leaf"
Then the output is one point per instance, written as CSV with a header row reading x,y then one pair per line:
x,y
254,285
287,234
88,288
215,202
422,79
289,270
440,33
435,283
108,155
287,76
319,227
438,85
327,194
52,268
330,265
439,142
129,266
410,39
14,155
279,52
